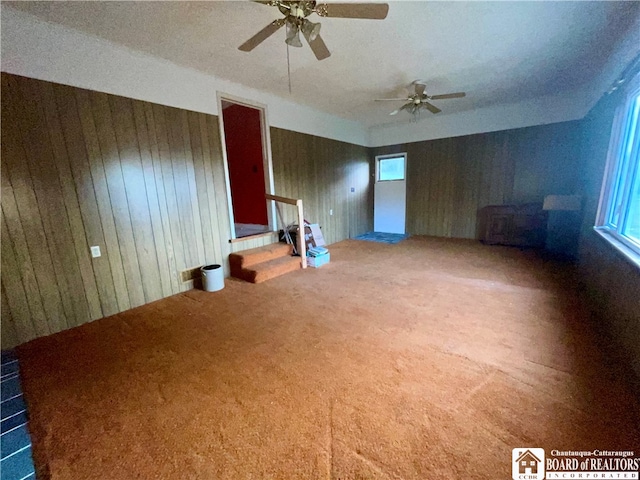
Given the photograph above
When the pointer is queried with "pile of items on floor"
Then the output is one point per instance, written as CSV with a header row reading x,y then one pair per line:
x,y
257,265
317,253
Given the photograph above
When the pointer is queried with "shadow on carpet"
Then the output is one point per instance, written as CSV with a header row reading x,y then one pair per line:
x,y
391,238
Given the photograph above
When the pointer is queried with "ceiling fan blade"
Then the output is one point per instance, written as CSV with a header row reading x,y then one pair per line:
x,y
390,99
403,107
317,45
420,88
262,35
373,11
431,108
448,95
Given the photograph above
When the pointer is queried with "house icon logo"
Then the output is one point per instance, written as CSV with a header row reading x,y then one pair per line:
x,y
527,463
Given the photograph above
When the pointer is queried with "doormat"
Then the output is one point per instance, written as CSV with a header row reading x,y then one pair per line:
x,y
390,238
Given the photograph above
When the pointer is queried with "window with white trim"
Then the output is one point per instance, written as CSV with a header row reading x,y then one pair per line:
x,y
391,167
619,210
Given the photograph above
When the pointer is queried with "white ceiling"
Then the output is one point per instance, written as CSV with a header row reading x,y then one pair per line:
x,y
498,52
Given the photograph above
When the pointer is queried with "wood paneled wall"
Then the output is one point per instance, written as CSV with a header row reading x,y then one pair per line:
x,y
323,173
144,182
79,168
610,280
449,180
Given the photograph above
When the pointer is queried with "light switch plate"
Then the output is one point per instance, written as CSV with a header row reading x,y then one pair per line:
x,y
95,251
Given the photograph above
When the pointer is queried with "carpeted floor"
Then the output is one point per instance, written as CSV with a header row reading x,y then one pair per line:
x,y
430,359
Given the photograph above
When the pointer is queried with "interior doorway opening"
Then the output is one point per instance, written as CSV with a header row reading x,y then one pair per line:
x,y
390,194
248,168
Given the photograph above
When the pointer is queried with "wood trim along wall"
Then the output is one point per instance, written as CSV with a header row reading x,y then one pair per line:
x,y
145,182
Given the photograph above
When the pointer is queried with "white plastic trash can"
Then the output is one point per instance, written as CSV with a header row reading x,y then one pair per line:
x,y
212,278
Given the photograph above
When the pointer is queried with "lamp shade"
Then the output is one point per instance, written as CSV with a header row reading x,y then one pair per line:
x,y
562,202
293,35
310,30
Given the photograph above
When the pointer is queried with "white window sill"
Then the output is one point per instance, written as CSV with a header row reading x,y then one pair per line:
x,y
628,253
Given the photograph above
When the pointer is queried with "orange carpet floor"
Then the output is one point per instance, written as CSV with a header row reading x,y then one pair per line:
x,y
429,359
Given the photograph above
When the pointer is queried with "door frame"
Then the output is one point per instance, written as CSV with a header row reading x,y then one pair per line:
x,y
266,157
376,180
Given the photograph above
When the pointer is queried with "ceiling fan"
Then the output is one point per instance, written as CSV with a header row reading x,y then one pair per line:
x,y
295,18
420,100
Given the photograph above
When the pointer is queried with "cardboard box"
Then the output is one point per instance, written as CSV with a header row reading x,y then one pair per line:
x,y
317,262
316,235
312,236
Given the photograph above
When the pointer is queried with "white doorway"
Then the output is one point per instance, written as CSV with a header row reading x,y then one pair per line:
x,y
390,194
248,166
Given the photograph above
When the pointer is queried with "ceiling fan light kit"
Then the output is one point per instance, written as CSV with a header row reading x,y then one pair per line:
x,y
295,17
293,35
310,30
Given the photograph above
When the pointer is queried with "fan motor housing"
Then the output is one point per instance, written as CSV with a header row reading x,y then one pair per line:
x,y
298,10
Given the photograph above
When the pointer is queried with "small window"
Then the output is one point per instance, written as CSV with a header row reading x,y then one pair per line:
x,y
391,168
619,212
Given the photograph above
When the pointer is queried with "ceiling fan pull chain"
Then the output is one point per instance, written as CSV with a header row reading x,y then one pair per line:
x,y
289,69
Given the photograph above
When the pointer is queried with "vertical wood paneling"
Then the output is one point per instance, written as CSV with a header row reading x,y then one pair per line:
x,y
98,285
117,196
611,282
109,272
8,331
206,189
166,192
80,168
146,184
22,285
27,312
166,166
174,119
152,199
449,180
221,203
28,214
136,197
321,172
193,190
55,222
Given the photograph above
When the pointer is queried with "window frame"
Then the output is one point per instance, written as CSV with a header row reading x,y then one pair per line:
x,y
612,184
388,157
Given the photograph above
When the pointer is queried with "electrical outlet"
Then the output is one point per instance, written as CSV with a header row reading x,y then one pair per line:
x,y
95,251
331,212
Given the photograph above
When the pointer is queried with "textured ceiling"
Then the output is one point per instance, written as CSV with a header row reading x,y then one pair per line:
x,y
498,52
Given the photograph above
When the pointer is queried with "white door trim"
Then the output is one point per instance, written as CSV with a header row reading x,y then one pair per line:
x,y
266,156
391,189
